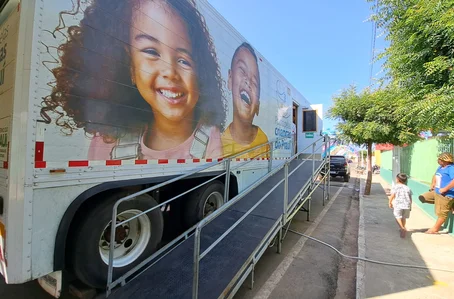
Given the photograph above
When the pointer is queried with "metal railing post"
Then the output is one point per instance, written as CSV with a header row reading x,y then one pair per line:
x,y
313,162
227,180
324,187
285,190
325,177
195,282
323,158
270,161
284,215
328,175
279,241
309,205
113,229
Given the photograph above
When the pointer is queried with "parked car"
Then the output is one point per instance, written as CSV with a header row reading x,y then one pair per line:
x,y
339,167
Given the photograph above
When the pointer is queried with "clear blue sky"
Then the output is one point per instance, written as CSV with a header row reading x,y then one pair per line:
x,y
319,46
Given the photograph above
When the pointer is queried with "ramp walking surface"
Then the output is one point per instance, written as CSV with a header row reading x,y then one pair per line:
x,y
172,276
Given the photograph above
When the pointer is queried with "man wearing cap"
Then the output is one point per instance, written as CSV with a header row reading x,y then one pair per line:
x,y
443,185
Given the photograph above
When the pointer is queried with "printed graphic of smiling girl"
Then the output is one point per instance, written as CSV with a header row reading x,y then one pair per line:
x,y
163,101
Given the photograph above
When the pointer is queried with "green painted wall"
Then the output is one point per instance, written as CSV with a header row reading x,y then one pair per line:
x,y
386,160
419,161
418,188
386,174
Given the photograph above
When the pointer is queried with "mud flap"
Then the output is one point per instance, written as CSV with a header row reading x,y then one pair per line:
x,y
52,283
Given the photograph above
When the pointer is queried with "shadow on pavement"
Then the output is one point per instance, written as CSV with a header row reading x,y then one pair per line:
x,y
29,290
383,243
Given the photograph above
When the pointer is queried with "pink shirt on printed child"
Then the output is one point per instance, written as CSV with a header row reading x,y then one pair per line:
x,y
99,150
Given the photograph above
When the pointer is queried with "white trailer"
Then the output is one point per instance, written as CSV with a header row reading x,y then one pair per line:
x,y
100,99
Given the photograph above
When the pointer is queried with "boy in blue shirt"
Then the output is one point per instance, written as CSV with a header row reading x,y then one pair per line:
x,y
443,184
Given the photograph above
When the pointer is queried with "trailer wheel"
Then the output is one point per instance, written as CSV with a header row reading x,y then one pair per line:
x,y
203,201
134,241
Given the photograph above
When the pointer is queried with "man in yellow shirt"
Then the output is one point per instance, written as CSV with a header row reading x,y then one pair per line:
x,y
244,83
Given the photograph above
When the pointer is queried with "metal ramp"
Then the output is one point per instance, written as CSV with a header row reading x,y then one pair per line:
x,y
214,261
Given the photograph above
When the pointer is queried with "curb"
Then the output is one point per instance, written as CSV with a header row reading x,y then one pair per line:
x,y
361,265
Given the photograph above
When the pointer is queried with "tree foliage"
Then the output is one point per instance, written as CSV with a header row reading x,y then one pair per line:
x,y
420,58
370,116
419,63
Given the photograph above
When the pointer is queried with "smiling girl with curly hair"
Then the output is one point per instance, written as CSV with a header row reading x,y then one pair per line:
x,y
142,77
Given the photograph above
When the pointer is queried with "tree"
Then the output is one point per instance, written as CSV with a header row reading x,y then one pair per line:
x,y
369,117
420,58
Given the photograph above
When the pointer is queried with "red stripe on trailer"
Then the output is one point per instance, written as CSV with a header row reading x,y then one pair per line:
x,y
40,164
181,161
195,160
209,160
220,159
78,163
163,161
39,151
141,162
113,162
5,164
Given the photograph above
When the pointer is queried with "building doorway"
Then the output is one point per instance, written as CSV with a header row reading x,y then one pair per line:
x,y
295,122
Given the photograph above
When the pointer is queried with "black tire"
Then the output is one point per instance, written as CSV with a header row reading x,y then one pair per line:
x,y
86,261
346,178
195,203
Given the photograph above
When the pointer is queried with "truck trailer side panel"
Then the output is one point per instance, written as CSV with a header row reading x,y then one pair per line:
x,y
18,212
120,91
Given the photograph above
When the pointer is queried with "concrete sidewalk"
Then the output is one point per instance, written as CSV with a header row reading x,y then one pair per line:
x,y
379,240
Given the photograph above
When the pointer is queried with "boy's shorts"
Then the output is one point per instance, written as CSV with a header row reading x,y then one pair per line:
x,y
443,205
402,213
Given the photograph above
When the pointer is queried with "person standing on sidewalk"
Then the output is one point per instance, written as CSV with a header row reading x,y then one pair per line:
x,y
443,184
400,201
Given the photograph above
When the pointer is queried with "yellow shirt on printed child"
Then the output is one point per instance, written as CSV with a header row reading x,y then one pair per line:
x,y
230,147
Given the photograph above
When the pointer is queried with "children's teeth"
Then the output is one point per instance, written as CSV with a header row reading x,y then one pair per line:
x,y
243,93
170,94
245,97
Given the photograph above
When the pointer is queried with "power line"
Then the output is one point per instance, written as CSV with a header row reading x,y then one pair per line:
x,y
373,38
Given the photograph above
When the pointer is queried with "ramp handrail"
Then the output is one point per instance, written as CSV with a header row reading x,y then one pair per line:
x,y
226,160
198,256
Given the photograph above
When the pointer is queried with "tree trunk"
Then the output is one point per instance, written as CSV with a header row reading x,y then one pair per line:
x,y
369,169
